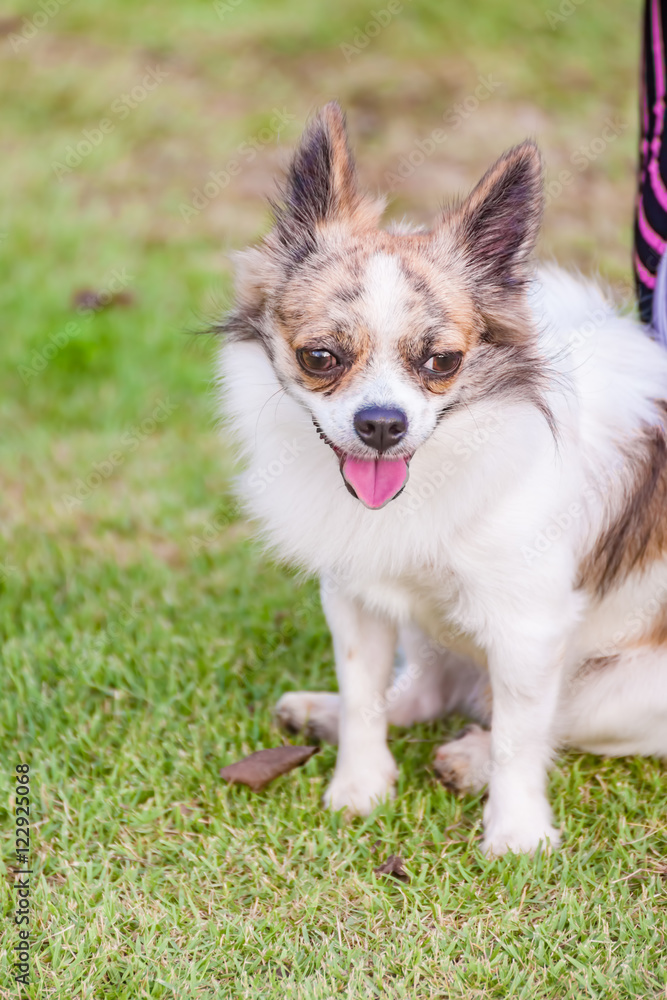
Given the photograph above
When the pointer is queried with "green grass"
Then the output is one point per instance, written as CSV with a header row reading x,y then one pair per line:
x,y
146,637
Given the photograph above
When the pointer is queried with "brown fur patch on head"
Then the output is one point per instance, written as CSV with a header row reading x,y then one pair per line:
x,y
637,532
324,302
443,300
318,307
352,348
417,348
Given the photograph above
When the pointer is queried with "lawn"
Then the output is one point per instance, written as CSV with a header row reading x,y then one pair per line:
x,y
145,635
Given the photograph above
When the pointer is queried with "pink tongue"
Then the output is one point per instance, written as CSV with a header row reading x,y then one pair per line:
x,y
375,481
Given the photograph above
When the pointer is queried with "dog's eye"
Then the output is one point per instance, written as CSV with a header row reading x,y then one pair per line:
x,y
444,364
317,361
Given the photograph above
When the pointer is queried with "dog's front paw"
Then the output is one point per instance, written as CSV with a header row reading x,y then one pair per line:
x,y
359,789
313,713
464,764
520,830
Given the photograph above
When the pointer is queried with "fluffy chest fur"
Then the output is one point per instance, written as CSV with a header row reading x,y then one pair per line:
x,y
494,501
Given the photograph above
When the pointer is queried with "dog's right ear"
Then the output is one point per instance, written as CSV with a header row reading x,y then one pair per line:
x,y
492,235
321,185
496,227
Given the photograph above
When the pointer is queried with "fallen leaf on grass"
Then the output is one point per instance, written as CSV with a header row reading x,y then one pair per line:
x,y
257,770
393,866
89,299
9,24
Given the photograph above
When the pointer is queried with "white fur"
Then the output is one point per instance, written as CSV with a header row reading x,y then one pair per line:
x,y
463,547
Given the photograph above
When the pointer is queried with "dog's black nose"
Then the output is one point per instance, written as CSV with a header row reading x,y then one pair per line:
x,y
380,428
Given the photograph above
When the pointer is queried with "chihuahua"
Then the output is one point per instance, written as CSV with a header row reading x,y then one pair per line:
x,y
470,452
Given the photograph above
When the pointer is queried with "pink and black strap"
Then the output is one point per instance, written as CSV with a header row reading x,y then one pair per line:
x,y
651,207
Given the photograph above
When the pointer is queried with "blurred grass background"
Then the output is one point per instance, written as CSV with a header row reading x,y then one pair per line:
x,y
145,637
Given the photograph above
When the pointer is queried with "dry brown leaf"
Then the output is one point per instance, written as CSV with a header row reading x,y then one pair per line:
x,y
91,301
393,866
257,770
9,24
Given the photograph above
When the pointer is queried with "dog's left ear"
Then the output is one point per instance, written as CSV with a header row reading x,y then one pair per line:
x,y
495,229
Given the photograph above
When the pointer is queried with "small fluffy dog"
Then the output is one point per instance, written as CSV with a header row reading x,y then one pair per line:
x,y
472,456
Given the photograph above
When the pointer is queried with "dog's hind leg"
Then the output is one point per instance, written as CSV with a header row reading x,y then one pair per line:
x,y
313,713
611,705
448,683
431,683
464,764
435,682
617,705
